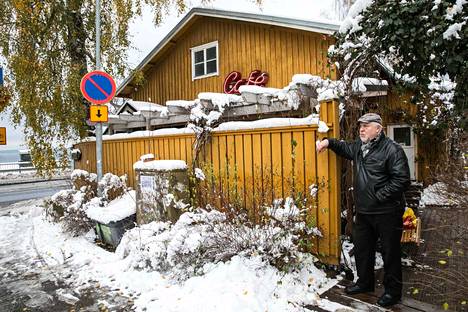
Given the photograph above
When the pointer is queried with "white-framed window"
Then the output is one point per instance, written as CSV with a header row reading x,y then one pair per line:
x,y
205,60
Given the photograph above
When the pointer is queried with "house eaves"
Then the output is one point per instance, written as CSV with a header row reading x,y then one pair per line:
x,y
312,26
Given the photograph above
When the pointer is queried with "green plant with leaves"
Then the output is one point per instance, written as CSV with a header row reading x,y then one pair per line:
x,y
422,44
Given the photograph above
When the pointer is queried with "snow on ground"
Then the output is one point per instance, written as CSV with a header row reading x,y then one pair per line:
x,y
437,195
241,284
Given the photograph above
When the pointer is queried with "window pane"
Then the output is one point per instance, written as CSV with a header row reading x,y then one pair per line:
x,y
199,70
199,56
211,53
402,136
211,67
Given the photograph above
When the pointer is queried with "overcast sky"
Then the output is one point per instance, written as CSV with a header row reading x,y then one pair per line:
x,y
145,36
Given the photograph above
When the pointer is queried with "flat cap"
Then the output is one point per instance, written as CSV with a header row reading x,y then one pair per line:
x,y
370,117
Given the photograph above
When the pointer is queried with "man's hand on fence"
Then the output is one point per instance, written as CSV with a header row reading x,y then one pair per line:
x,y
321,145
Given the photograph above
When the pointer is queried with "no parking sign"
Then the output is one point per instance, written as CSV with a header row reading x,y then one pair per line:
x,y
98,87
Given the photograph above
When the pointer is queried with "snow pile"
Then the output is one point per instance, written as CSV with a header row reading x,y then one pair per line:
x,y
239,284
199,174
354,17
453,30
183,249
443,89
112,186
76,208
160,165
203,115
82,174
147,157
118,209
243,284
140,106
326,89
359,84
437,195
268,123
457,8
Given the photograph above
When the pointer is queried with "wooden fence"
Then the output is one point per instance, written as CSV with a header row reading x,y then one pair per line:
x,y
255,163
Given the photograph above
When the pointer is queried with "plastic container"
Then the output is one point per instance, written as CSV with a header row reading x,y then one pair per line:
x,y
112,232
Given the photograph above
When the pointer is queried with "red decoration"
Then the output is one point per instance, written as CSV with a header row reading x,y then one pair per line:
x,y
234,80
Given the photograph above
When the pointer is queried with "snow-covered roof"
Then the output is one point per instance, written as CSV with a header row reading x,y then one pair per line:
x,y
307,25
140,106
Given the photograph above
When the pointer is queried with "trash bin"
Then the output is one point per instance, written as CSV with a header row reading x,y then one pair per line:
x,y
111,233
162,189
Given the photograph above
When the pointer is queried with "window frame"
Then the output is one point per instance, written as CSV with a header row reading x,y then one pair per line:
x,y
203,48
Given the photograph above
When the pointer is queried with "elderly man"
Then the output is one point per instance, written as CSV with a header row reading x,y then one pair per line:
x,y
381,175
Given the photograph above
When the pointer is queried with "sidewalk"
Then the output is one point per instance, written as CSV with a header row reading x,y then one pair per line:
x,y
10,178
28,283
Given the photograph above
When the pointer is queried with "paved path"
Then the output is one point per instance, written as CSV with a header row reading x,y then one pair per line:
x,y
27,283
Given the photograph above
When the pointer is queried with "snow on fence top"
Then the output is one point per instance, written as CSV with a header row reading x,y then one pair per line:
x,y
272,123
259,90
160,165
226,126
146,157
118,209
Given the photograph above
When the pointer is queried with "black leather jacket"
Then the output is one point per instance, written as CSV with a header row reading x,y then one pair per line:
x,y
380,178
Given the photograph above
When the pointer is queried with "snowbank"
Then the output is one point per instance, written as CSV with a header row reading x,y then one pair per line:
x,y
437,195
116,210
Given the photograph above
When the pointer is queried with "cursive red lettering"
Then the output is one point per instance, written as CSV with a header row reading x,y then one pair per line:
x,y
233,81
230,82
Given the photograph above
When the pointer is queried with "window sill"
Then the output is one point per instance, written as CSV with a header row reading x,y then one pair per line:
x,y
205,76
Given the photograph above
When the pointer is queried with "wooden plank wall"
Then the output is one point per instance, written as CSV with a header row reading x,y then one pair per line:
x,y
258,164
244,47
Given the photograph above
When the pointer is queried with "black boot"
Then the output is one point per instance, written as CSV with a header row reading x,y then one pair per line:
x,y
387,300
356,289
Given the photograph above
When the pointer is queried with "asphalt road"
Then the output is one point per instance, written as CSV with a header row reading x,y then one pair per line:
x,y
13,193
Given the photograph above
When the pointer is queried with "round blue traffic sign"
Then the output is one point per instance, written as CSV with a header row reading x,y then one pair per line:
x,y
98,87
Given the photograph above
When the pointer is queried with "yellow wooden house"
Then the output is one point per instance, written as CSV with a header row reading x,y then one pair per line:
x,y
215,51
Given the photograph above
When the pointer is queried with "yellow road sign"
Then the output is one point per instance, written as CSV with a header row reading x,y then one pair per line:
x,y
2,136
98,113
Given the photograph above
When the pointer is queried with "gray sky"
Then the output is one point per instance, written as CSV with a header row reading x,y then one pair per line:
x,y
146,36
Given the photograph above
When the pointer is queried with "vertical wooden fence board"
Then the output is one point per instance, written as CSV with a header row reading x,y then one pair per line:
x,y
257,170
287,163
223,167
231,167
276,165
248,166
267,178
298,139
239,154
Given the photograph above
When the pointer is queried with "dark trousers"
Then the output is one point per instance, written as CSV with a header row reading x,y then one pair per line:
x,y
366,229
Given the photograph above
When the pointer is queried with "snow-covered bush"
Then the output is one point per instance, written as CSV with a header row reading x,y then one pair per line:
x,y
75,219
58,203
201,237
70,206
84,182
112,186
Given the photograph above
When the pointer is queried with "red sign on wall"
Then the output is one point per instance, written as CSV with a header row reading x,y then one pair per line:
x,y
234,80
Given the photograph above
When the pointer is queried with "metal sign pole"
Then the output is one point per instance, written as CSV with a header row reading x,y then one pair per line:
x,y
98,67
